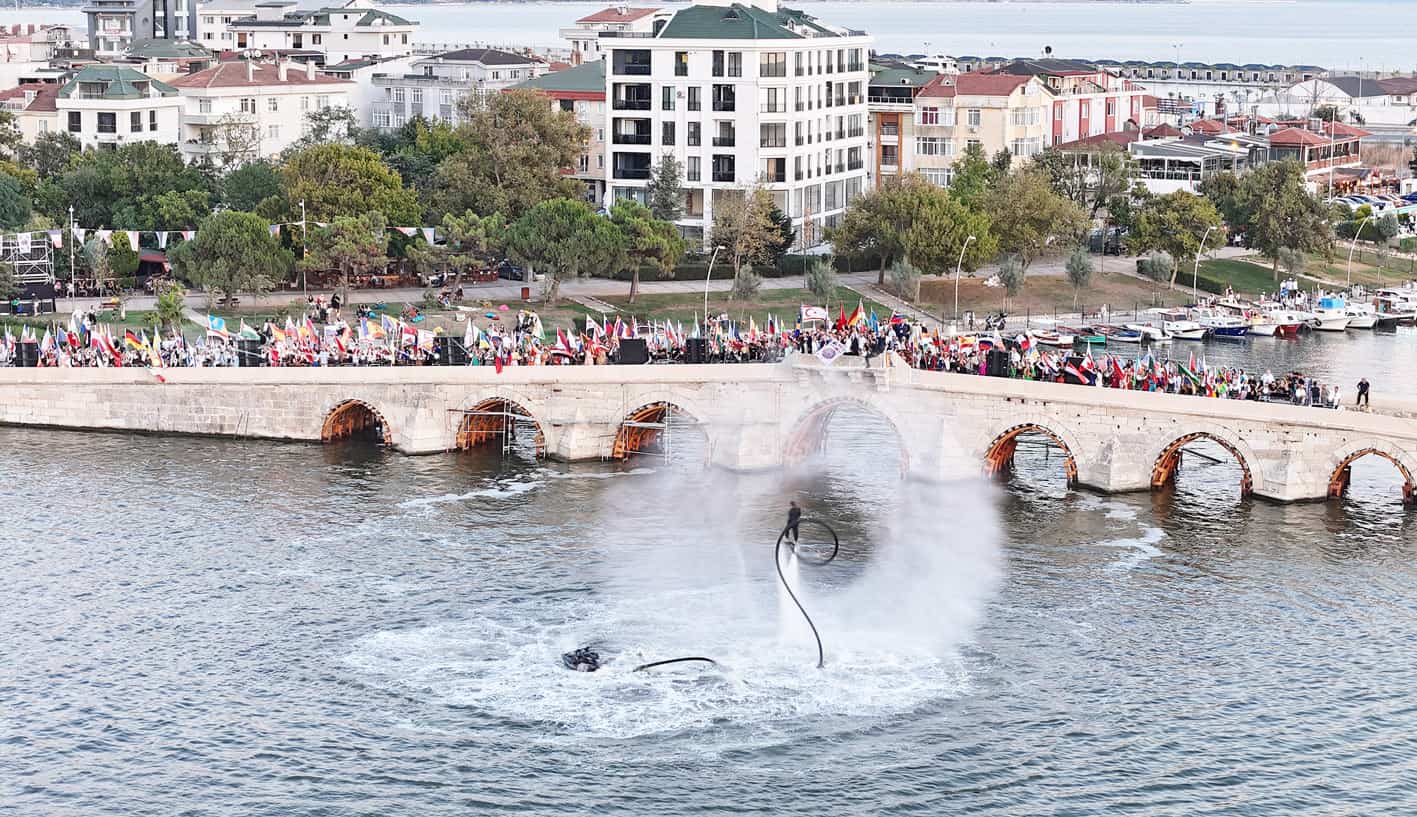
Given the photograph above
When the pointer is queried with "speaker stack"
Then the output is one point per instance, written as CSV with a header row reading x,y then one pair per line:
x,y
248,353
633,351
696,350
998,365
27,355
457,352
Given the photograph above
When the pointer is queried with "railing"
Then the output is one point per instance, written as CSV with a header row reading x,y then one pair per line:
x,y
724,141
724,105
632,71
856,165
769,107
632,105
889,100
855,132
631,139
723,176
772,143
775,178
631,173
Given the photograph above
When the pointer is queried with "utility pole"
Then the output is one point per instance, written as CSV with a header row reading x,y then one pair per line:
x,y
72,239
304,248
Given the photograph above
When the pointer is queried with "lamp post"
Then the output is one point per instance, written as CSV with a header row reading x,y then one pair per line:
x,y
1196,272
708,278
959,266
1353,246
304,248
72,239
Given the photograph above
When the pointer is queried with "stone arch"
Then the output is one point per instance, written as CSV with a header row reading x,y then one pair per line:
x,y
497,419
1163,470
350,418
809,429
1342,471
999,456
643,426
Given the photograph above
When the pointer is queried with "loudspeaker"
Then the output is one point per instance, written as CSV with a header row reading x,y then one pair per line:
x,y
27,355
696,350
444,349
457,352
248,353
633,351
998,365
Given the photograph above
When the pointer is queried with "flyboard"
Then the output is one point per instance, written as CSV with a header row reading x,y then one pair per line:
x,y
585,659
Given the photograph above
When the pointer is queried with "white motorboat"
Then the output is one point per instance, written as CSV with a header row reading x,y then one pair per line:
x,y
1184,330
1361,316
1394,305
1331,314
1149,333
1222,324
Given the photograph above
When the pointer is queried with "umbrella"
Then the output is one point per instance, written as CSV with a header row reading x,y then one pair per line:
x,y
490,314
502,308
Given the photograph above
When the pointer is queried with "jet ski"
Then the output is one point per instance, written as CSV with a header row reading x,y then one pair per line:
x,y
581,660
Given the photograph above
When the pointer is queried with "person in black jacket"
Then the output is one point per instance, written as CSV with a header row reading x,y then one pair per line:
x,y
794,518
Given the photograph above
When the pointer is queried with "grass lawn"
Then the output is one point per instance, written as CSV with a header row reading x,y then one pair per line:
x,y
1051,294
784,303
134,319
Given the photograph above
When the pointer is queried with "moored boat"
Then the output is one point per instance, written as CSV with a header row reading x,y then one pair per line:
x,y
1120,334
1184,330
1361,316
1331,314
1222,324
1149,333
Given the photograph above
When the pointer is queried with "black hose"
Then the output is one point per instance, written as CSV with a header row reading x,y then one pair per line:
x,y
654,664
777,560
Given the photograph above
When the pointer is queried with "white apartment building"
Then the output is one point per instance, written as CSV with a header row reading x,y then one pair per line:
x,y
27,49
592,34
109,105
434,85
364,73
344,31
114,26
238,111
742,94
214,20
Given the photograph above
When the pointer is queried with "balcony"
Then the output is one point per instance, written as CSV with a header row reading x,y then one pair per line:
x,y
632,173
631,139
724,141
632,105
856,132
724,176
724,105
219,118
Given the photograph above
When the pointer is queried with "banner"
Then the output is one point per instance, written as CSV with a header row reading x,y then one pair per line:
x,y
132,239
162,239
56,238
22,242
428,234
814,313
830,352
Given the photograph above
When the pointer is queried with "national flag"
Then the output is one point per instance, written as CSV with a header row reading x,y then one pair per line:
x,y
563,343
830,352
873,322
858,315
216,327
812,313
247,333
1024,343
841,319
592,328
1191,374
132,339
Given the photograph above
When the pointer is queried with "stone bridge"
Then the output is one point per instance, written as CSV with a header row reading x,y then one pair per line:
x,y
753,416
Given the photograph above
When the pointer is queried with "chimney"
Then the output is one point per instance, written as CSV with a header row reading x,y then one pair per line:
x,y
250,70
309,69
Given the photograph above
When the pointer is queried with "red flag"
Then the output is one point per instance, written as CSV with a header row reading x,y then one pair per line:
x,y
841,321
497,359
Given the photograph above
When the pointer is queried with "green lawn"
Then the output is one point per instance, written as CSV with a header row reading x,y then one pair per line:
x,y
783,303
1245,277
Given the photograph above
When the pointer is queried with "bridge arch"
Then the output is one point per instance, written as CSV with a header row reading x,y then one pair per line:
x,y
498,420
808,430
355,418
644,426
1342,471
1165,463
999,456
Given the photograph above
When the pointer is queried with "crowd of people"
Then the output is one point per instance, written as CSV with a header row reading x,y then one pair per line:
x,y
323,337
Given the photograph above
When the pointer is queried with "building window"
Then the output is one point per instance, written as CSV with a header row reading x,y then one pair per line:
x,y
1111,108
322,101
304,104
152,120
204,105
415,96
694,103
399,95
1085,108
941,176
975,116
273,131
248,104
1058,114
314,39
691,169
272,103
890,154
667,133
973,143
772,135
75,122
135,122
929,116
772,64
693,140
107,122
681,63
1024,116
934,146
774,100
666,102
44,126
386,39
382,119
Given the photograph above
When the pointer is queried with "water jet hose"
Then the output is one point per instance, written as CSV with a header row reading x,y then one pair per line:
x,y
653,664
777,560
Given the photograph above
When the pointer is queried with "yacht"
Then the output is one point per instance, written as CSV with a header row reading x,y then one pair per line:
x,y
1222,324
1184,330
1286,322
1331,314
1394,305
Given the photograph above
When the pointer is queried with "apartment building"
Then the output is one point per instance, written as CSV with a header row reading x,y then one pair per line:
x,y
434,86
114,26
27,49
33,106
1084,100
109,105
215,18
336,33
923,121
742,95
606,26
239,111
581,90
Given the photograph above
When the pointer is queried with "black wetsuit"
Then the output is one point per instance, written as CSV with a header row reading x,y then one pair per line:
x,y
794,518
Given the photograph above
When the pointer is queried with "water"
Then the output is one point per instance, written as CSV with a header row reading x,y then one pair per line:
x,y
1369,34
213,627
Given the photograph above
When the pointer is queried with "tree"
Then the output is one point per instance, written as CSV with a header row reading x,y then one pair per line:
x,y
821,277
908,217
349,245
466,238
416,149
1223,191
648,241
517,146
232,252
171,305
123,259
9,288
1002,162
565,238
169,210
100,183
1175,223
51,153
785,238
1108,172
250,184
336,180
1281,213
10,137
747,284
1011,275
905,281
743,226
326,126
1079,270
1027,215
14,204
1160,267
1293,261
973,177
1328,113
666,189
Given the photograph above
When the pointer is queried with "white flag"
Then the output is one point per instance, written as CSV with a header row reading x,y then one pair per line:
x,y
56,238
22,242
162,239
78,234
106,236
132,239
428,234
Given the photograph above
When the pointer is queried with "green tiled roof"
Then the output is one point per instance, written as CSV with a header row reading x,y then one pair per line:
x,y
169,49
121,81
589,76
900,76
740,22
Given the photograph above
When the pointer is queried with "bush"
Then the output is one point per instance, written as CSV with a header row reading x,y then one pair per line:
x,y
1011,272
747,283
1158,266
1408,244
1292,261
905,281
821,277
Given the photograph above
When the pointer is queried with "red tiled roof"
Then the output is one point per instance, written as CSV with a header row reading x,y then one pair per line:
x,y
1148,101
1162,131
233,75
1209,126
937,87
616,14
1120,138
1338,130
45,93
1297,136
988,83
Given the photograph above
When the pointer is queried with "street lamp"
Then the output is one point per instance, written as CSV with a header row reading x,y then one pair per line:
x,y
708,278
304,249
958,266
1196,272
72,239
1353,246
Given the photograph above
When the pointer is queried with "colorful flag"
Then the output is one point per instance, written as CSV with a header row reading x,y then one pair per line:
x,y
812,313
216,327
